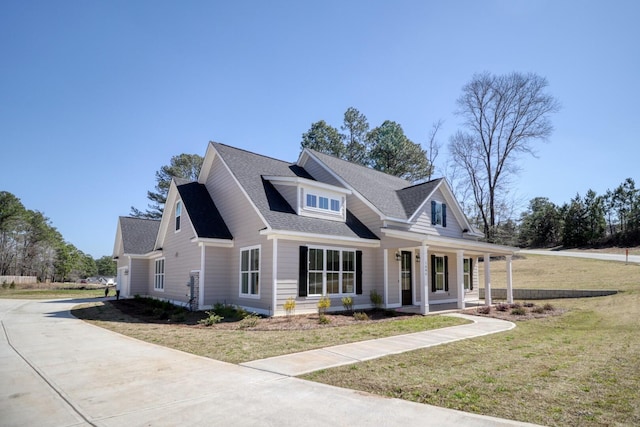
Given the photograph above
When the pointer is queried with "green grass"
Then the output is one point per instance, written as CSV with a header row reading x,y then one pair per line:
x,y
50,292
581,368
238,346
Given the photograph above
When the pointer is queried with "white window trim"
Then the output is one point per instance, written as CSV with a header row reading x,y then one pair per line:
x,y
466,274
157,275
444,275
340,272
176,216
249,294
439,218
318,194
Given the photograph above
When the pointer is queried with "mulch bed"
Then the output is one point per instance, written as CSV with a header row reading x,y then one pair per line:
x,y
505,312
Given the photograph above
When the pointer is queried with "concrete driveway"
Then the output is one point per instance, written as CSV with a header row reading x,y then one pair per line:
x,y
56,370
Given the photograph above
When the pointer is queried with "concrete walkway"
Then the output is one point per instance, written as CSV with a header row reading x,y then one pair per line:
x,y
56,370
345,354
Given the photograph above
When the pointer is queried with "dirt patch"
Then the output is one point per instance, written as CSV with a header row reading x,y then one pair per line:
x,y
516,312
150,311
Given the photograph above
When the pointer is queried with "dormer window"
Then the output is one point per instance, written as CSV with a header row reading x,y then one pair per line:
x,y
324,203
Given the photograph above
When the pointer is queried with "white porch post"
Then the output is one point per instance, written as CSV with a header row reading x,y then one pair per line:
x,y
487,279
203,257
385,268
509,280
424,283
274,272
460,277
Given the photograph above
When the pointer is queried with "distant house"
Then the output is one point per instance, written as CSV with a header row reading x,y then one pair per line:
x,y
254,231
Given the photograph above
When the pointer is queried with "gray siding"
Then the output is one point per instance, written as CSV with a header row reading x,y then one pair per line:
x,y
290,194
423,221
217,276
245,225
320,173
139,277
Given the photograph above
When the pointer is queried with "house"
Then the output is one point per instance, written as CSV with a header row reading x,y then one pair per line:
x,y
254,231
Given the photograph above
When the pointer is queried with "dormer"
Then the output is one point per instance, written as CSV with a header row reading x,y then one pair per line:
x,y
312,198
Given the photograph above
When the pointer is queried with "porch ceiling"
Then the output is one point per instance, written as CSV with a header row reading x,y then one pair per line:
x,y
448,244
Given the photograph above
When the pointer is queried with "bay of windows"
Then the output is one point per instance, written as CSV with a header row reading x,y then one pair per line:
x,y
324,203
331,271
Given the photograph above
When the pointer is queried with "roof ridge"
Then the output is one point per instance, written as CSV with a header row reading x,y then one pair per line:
x,y
421,183
253,153
138,218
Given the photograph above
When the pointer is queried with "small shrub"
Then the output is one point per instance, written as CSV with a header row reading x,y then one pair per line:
x,y
502,307
290,306
12,285
323,304
323,319
548,307
519,311
516,305
484,309
360,316
178,317
4,284
529,304
250,321
347,303
376,298
137,296
211,319
537,309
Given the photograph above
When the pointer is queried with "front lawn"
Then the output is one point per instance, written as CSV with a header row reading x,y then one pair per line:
x,y
580,368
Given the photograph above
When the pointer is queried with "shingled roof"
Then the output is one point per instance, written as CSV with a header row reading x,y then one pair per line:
x,y
138,234
249,169
202,211
393,196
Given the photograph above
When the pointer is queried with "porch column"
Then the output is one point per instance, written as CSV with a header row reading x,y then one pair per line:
x,y
460,277
385,269
487,279
424,283
509,280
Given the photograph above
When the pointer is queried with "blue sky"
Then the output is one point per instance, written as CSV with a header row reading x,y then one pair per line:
x,y
95,96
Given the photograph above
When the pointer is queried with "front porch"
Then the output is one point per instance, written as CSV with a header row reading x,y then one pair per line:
x,y
435,273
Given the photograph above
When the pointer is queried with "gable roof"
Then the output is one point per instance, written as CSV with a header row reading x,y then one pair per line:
x,y
205,217
138,234
249,169
393,197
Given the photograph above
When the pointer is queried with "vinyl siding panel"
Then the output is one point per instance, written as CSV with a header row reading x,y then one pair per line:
x,y
139,277
423,222
181,257
245,225
320,173
217,276
290,194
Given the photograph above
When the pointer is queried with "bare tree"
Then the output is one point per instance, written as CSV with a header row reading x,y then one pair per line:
x,y
433,147
503,117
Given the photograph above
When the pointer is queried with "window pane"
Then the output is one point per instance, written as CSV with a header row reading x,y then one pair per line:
x,y
311,200
255,259
466,266
440,282
316,259
333,283
324,203
244,266
245,283
254,283
439,265
333,260
348,261
347,283
315,283
335,205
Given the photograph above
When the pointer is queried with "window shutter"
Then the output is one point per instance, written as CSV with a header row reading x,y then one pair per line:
x,y
302,271
444,215
446,274
433,273
359,272
433,212
470,274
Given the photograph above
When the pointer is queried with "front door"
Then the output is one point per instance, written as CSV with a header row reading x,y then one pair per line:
x,y
405,278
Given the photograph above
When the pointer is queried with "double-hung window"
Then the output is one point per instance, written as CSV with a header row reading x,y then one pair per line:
x,y
158,283
250,271
439,273
467,274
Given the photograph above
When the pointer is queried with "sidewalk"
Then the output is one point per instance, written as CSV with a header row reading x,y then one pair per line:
x,y
308,361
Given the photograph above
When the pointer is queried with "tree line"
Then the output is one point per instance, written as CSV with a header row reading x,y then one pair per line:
x,y
31,246
609,219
